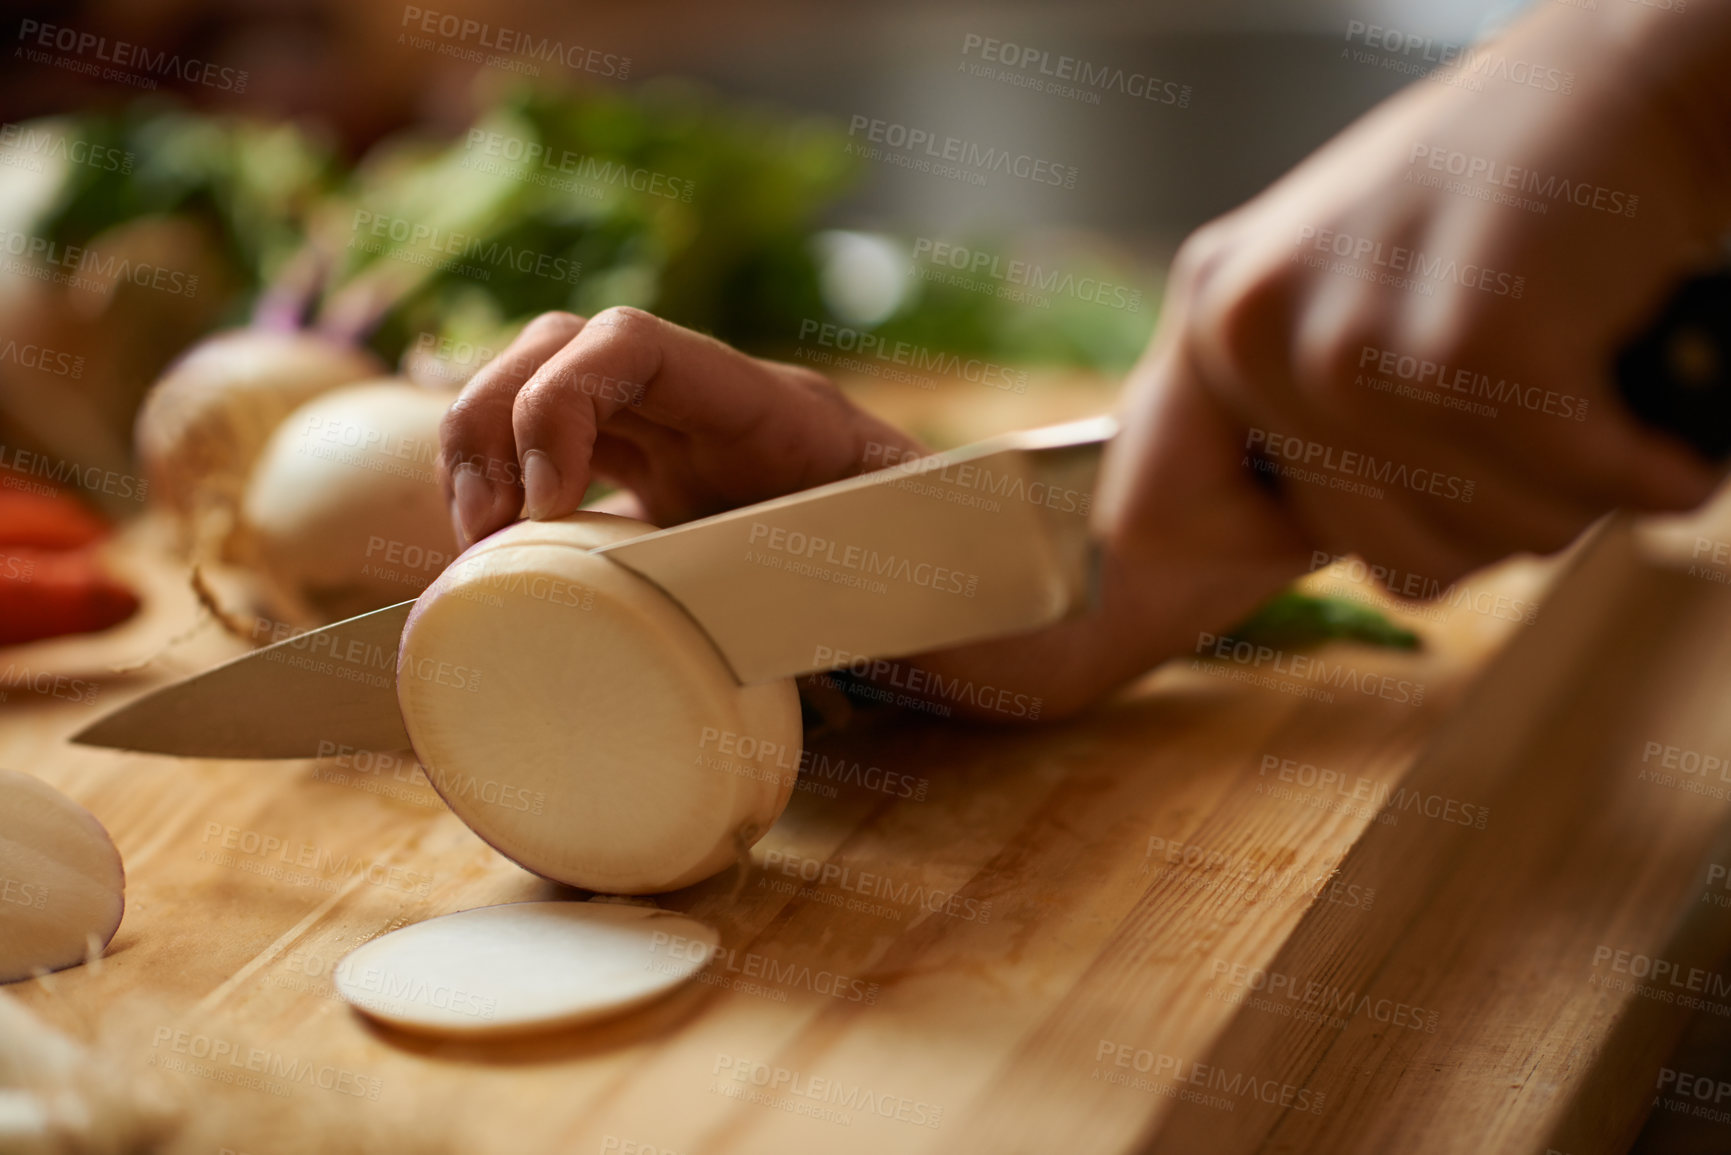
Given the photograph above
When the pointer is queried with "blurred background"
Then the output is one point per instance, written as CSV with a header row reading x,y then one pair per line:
x,y
1003,184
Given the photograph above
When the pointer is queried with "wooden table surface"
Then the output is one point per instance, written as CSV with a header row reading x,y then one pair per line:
x,y
1040,950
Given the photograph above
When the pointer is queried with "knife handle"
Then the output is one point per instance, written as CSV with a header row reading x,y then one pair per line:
x,y
1676,377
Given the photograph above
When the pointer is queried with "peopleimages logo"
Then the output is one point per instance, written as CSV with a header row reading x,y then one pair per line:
x,y
1541,187
1472,386
509,43
1380,794
810,547
444,248
1350,464
1399,264
86,269
88,53
903,354
840,877
27,146
971,157
539,163
1414,54
1063,75
976,267
1169,1070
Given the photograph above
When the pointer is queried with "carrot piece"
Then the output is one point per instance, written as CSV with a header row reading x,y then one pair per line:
x,y
45,520
46,593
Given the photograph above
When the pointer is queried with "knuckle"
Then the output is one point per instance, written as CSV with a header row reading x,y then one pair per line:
x,y
458,420
627,320
811,383
551,391
1198,258
554,323
1240,322
469,426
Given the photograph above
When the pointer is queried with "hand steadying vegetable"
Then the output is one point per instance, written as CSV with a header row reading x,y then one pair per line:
x,y
1276,316
688,425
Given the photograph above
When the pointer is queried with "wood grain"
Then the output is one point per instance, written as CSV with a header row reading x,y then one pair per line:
x,y
985,963
979,1013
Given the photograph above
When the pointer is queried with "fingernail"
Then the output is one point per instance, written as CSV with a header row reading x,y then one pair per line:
x,y
540,485
474,501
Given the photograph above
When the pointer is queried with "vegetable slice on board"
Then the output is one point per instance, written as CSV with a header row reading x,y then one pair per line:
x,y
575,716
62,889
526,966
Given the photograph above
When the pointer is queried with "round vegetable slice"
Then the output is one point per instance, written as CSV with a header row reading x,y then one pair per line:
x,y
576,718
526,966
61,883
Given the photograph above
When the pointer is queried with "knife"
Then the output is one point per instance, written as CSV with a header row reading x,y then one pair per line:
x,y
979,542
828,576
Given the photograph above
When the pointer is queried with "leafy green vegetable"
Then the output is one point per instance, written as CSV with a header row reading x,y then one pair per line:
x,y
251,183
665,197
1294,620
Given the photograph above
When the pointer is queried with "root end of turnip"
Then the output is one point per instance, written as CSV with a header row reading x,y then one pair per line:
x,y
230,621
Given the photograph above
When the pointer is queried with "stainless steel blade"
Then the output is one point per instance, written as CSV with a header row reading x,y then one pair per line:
x,y
984,541
312,694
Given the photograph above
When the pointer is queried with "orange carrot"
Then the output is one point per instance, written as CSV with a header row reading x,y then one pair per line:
x,y
45,520
46,593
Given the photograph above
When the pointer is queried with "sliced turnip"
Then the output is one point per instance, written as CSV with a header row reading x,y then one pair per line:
x,y
527,966
206,419
62,889
578,719
343,513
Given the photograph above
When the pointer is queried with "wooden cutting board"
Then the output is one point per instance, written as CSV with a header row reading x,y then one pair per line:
x,y
958,938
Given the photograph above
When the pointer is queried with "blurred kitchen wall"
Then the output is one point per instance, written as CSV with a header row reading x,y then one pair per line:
x,y
1263,83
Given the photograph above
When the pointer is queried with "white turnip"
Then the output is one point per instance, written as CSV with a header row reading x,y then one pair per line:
x,y
208,416
343,512
576,718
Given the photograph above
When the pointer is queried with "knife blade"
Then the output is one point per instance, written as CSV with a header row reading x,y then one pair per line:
x,y
984,541
979,542
336,685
